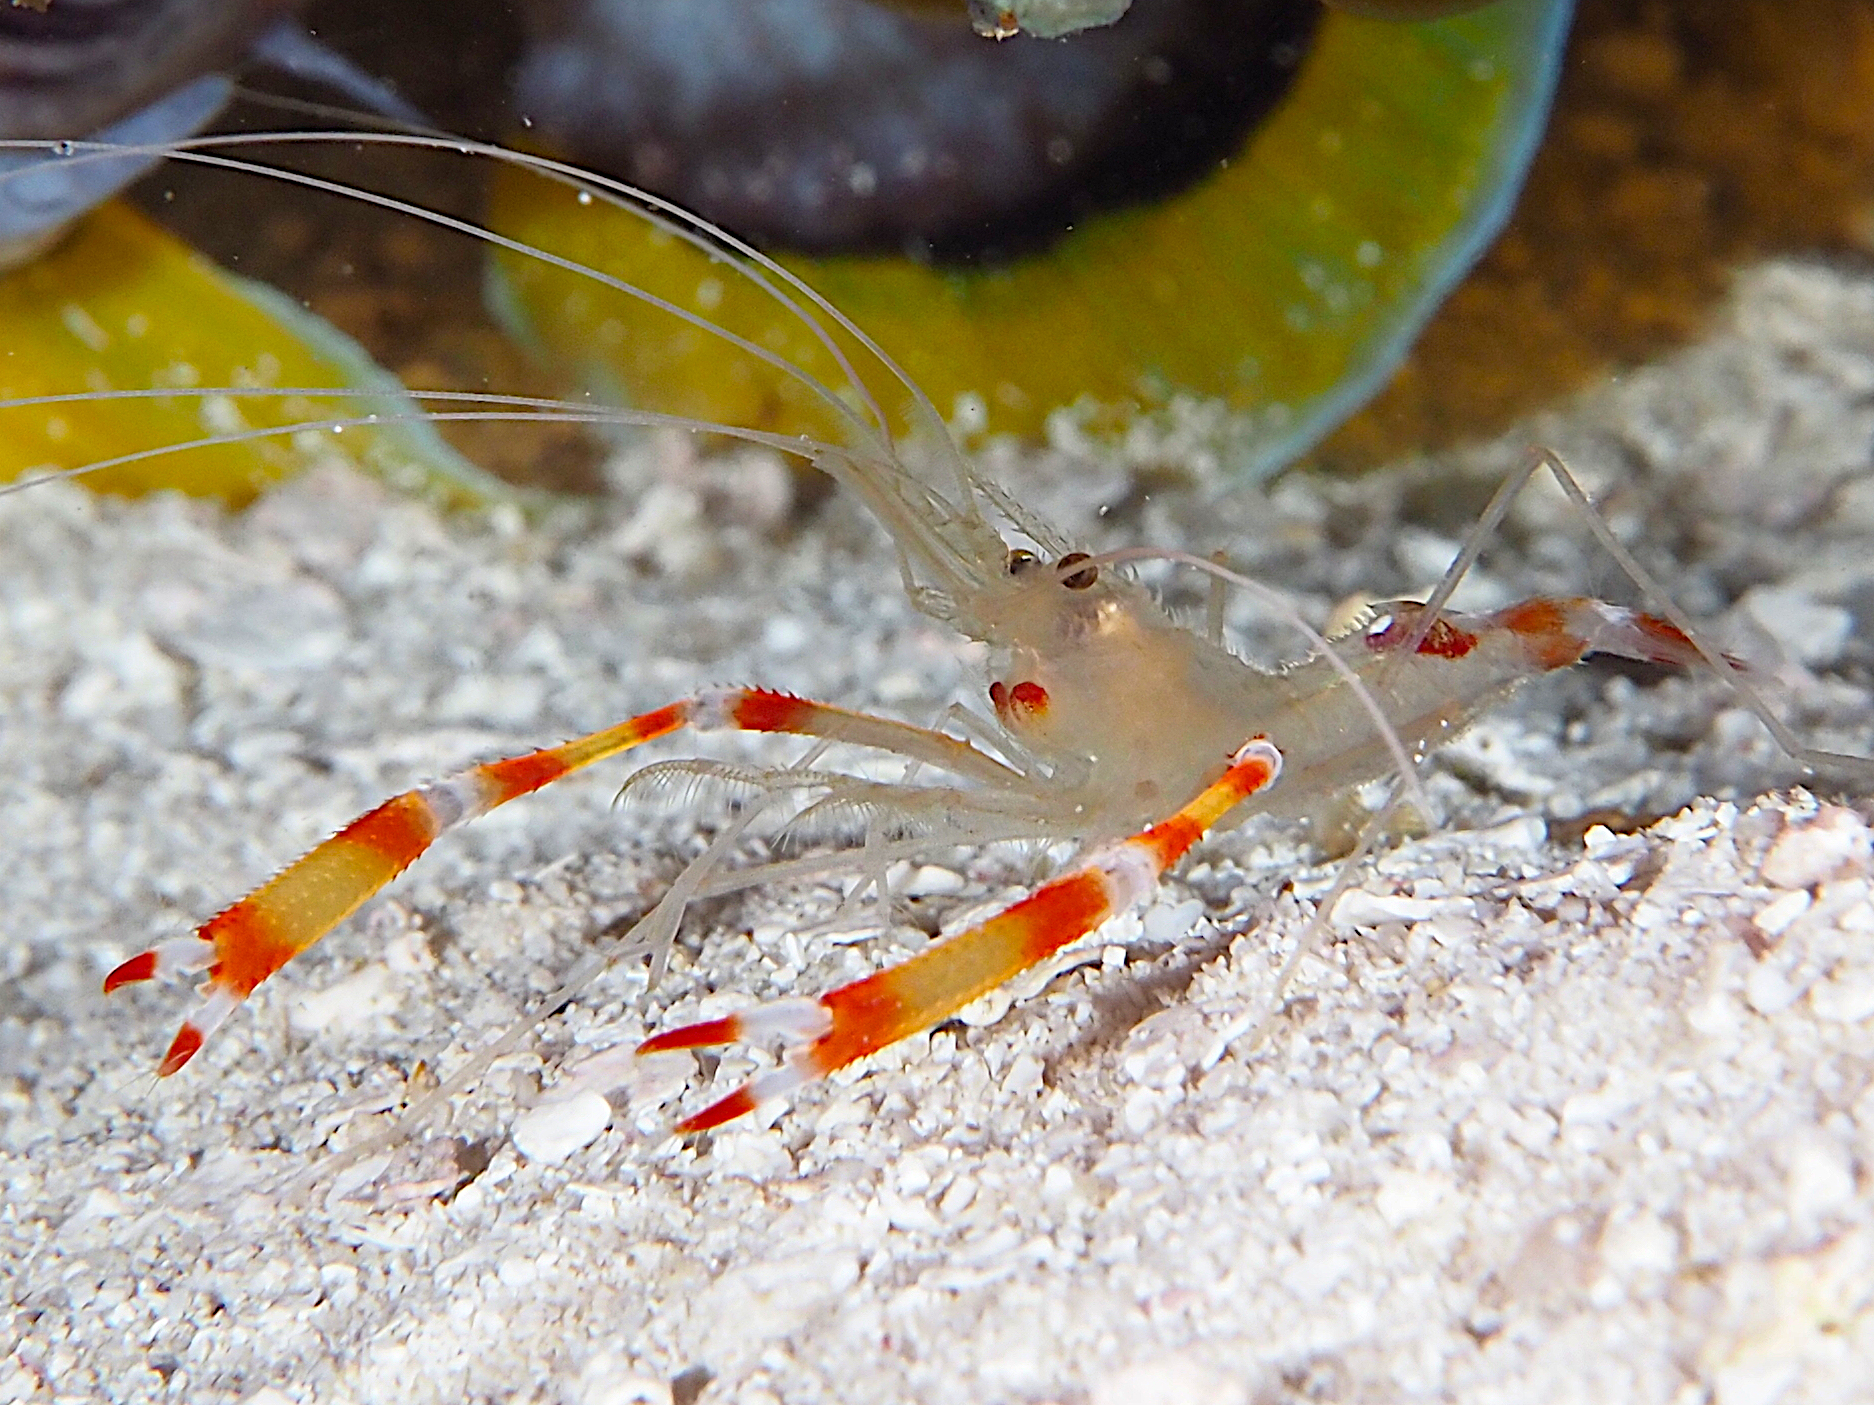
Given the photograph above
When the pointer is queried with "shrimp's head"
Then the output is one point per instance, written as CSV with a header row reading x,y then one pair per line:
x,y
1051,608
1059,628
1090,673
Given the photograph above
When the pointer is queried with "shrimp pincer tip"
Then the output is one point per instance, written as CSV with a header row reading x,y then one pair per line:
x,y
694,1036
195,1030
738,1104
185,1046
178,957
792,1075
141,967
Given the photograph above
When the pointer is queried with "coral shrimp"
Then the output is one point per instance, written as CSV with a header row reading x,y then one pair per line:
x,y
1109,724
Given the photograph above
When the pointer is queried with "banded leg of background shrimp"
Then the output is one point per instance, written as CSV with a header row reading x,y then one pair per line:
x,y
258,935
866,1015
1551,632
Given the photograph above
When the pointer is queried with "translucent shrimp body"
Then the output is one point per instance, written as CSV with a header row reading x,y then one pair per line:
x,y
1129,709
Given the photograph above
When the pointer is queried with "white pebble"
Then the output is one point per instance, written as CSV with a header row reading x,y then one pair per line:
x,y
957,1198
1775,917
1407,1195
1143,1107
1642,1246
1023,1077
1820,1179
1846,997
1154,1064
554,1130
784,635
930,881
129,674
1363,909
1171,1380
347,1006
1167,923
517,1271
608,1381
754,1155
1769,991
1804,856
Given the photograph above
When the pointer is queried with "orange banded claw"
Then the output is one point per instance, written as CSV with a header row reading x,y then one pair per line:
x,y
258,935
880,1009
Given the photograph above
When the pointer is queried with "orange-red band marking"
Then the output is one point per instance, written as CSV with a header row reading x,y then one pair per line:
x,y
759,710
262,932
1057,914
397,831
1542,625
1445,640
1171,839
249,944
519,774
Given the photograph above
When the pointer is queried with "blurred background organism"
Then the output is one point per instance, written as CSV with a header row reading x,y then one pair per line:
x,y
1252,205
1254,201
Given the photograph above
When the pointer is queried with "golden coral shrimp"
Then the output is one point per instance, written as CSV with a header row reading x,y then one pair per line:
x,y
1111,725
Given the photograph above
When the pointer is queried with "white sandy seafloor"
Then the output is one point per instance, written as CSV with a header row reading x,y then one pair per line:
x,y
1563,1113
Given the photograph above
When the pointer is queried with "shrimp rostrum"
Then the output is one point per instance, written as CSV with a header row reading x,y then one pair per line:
x,y
1109,723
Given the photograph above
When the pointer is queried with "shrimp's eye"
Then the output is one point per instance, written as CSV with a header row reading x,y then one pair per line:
x,y
1079,580
1022,562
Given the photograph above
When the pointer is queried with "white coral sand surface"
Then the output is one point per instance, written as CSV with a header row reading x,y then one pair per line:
x,y
1576,1104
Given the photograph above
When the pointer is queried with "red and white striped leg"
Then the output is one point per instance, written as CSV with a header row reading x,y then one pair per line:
x,y
246,943
866,1015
